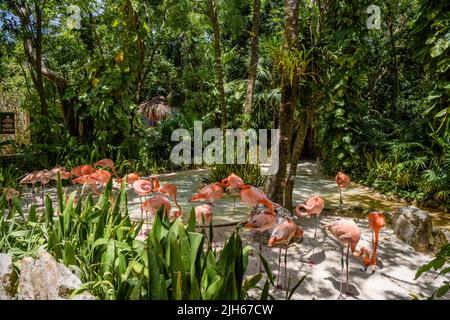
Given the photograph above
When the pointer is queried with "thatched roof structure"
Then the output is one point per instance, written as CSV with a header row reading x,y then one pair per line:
x,y
155,109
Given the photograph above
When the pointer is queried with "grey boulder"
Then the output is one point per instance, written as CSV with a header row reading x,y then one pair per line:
x,y
413,226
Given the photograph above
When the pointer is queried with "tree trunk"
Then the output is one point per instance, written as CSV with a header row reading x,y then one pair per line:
x,y
38,70
394,63
289,91
212,14
253,58
38,45
296,153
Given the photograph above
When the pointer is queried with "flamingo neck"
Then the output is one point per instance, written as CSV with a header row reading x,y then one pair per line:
x,y
155,183
225,183
362,251
246,186
176,202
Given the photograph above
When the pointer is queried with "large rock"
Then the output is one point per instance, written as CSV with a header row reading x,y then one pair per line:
x,y
440,238
413,226
44,278
6,277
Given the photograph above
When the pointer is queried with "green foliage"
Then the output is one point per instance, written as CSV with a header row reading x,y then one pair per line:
x,y
439,263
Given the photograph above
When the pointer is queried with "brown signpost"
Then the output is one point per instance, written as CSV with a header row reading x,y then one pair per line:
x,y
7,123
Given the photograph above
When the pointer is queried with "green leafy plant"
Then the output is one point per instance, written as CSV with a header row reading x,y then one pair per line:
x,y
97,240
439,263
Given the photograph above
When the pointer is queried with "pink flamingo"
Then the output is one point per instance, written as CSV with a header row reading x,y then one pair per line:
x,y
31,178
347,233
132,177
313,206
44,177
129,178
343,181
261,223
85,180
82,170
376,222
108,163
100,176
142,188
62,172
205,212
282,235
153,204
169,190
252,195
209,193
233,182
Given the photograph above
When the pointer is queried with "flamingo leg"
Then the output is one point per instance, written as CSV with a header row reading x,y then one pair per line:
x,y
372,240
340,198
142,212
315,232
373,261
285,266
260,251
34,195
279,265
342,271
346,263
43,195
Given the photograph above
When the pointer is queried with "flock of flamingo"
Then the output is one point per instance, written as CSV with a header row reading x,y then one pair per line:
x,y
265,216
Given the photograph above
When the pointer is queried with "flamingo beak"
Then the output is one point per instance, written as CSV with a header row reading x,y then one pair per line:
x,y
249,225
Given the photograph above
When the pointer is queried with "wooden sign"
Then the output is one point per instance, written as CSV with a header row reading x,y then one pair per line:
x,y
7,123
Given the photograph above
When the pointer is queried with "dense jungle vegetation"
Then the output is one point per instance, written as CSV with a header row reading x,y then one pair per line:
x,y
372,102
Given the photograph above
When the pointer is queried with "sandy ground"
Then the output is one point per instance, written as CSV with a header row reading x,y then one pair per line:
x,y
396,266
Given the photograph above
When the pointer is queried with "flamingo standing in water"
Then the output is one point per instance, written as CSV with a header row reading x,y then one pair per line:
x,y
313,206
343,182
376,222
209,193
282,235
348,234
260,223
